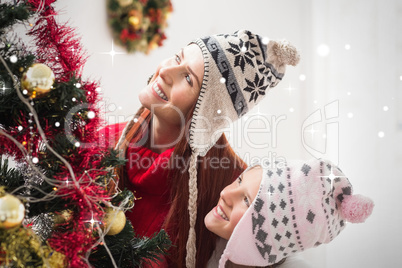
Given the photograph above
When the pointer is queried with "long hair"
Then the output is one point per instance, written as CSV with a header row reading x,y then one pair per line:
x,y
212,178
134,136
214,172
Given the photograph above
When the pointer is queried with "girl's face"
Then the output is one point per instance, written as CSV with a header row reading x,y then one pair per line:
x,y
176,85
235,199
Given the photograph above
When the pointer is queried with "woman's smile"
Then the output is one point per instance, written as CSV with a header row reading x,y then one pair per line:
x,y
159,91
221,213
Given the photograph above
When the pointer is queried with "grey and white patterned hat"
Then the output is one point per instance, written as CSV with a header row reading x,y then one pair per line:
x,y
239,69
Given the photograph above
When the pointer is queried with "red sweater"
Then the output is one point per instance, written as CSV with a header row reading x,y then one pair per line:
x,y
147,173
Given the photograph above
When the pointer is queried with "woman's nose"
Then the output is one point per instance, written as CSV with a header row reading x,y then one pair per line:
x,y
228,195
167,72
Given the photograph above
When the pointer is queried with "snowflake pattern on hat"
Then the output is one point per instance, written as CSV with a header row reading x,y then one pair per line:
x,y
238,70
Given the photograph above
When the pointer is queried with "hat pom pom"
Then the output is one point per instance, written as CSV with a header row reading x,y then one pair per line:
x,y
286,53
356,208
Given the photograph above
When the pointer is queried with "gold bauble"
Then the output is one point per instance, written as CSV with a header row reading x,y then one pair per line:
x,y
12,211
115,219
37,80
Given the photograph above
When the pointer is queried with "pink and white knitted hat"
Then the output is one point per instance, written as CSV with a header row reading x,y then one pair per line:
x,y
299,205
239,69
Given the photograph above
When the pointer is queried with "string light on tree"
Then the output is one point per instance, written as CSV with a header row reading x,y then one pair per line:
x,y
350,115
347,47
91,115
302,77
385,108
13,58
381,134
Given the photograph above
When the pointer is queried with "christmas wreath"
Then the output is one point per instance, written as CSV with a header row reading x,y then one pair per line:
x,y
139,25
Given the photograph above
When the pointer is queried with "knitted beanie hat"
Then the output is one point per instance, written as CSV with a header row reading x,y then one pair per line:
x,y
299,205
239,69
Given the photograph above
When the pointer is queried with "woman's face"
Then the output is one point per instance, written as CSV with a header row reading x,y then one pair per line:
x,y
175,86
233,203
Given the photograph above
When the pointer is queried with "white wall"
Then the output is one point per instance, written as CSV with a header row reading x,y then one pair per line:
x,y
358,81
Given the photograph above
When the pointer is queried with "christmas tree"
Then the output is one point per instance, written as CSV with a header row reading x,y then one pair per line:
x,y
59,204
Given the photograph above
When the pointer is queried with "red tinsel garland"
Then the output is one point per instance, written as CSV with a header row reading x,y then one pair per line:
x,y
60,49
56,44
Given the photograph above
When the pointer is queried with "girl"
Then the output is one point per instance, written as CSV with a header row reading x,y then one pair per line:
x,y
271,213
177,155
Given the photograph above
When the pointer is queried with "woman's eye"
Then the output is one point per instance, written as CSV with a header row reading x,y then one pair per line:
x,y
246,201
240,180
178,59
188,78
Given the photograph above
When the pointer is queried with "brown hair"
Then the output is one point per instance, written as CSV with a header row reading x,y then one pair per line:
x,y
210,182
134,136
214,171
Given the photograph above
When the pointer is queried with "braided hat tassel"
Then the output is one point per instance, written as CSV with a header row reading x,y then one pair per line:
x,y
192,210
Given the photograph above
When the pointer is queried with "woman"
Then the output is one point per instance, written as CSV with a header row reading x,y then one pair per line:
x,y
271,213
175,140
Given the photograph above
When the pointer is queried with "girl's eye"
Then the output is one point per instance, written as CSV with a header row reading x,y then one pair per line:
x,y
188,78
240,180
247,201
178,60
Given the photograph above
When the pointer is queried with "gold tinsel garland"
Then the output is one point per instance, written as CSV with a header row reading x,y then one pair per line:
x,y
22,248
